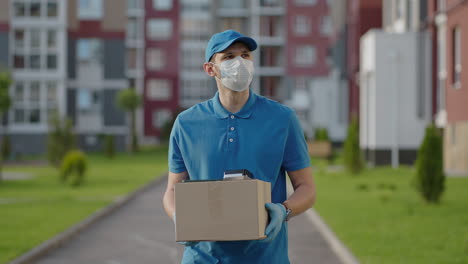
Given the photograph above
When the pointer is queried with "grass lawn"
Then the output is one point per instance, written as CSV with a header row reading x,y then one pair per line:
x,y
34,210
382,219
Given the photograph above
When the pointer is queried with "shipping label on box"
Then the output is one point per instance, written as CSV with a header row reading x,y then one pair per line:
x,y
221,210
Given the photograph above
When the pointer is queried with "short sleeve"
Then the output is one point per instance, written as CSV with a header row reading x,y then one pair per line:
x,y
176,161
296,154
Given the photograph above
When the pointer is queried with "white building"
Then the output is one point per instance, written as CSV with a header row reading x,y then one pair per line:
x,y
395,95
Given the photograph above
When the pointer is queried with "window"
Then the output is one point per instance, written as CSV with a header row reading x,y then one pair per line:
x,y
35,9
89,9
155,59
18,93
159,29
192,58
51,62
19,9
196,28
19,61
232,4
269,26
35,38
305,55
162,4
132,29
159,89
89,50
133,4
51,39
131,58
457,67
234,23
19,39
160,117
52,9
35,62
270,3
32,104
88,101
270,56
326,26
51,93
305,2
301,25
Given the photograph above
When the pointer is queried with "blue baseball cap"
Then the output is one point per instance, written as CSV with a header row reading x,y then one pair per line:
x,y
221,41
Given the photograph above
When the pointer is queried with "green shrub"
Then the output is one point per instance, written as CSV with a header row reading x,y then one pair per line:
x,y
352,152
321,134
61,139
73,167
167,127
109,146
6,147
430,176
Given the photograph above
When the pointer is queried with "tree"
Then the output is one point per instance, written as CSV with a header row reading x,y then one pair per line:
x,y
352,152
321,134
430,176
128,100
5,103
61,139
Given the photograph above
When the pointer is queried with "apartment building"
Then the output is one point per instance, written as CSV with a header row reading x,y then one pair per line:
x,y
361,16
33,48
75,56
318,93
447,20
161,71
395,84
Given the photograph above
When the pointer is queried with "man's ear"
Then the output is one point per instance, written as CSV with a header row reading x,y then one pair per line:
x,y
209,68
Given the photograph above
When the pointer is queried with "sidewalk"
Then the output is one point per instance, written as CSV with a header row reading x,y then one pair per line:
x,y
141,233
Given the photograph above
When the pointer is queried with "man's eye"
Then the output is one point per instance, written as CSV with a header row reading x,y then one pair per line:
x,y
245,55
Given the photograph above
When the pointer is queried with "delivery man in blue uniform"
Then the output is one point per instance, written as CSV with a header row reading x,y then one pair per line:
x,y
238,129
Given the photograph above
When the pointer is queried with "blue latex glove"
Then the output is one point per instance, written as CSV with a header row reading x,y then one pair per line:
x,y
277,213
185,243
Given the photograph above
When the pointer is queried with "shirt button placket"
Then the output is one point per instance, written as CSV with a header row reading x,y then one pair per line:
x,y
231,132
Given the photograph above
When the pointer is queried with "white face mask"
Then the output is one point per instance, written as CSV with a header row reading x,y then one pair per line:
x,y
236,74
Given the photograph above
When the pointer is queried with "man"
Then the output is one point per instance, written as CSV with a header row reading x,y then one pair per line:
x,y
238,129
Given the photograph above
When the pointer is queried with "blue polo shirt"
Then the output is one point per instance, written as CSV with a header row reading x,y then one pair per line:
x,y
265,138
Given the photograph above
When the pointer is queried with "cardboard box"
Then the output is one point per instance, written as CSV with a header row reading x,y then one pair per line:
x,y
224,210
320,149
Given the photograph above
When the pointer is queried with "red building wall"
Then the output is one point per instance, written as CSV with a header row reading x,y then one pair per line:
x,y
169,72
457,99
362,15
315,37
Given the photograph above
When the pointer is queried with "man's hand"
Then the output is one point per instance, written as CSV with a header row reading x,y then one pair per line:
x,y
277,213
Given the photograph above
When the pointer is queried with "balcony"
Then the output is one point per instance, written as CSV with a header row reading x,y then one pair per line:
x,y
270,71
233,12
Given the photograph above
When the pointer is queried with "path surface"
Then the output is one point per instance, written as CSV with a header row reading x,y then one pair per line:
x,y
141,233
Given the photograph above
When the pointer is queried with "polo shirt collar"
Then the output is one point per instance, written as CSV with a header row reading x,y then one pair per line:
x,y
245,112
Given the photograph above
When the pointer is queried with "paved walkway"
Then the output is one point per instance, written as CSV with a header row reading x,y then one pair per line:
x,y
141,233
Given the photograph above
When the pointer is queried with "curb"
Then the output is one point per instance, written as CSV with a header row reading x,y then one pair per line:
x,y
55,242
343,253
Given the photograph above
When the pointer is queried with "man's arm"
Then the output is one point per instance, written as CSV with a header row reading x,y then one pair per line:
x,y
304,191
168,199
